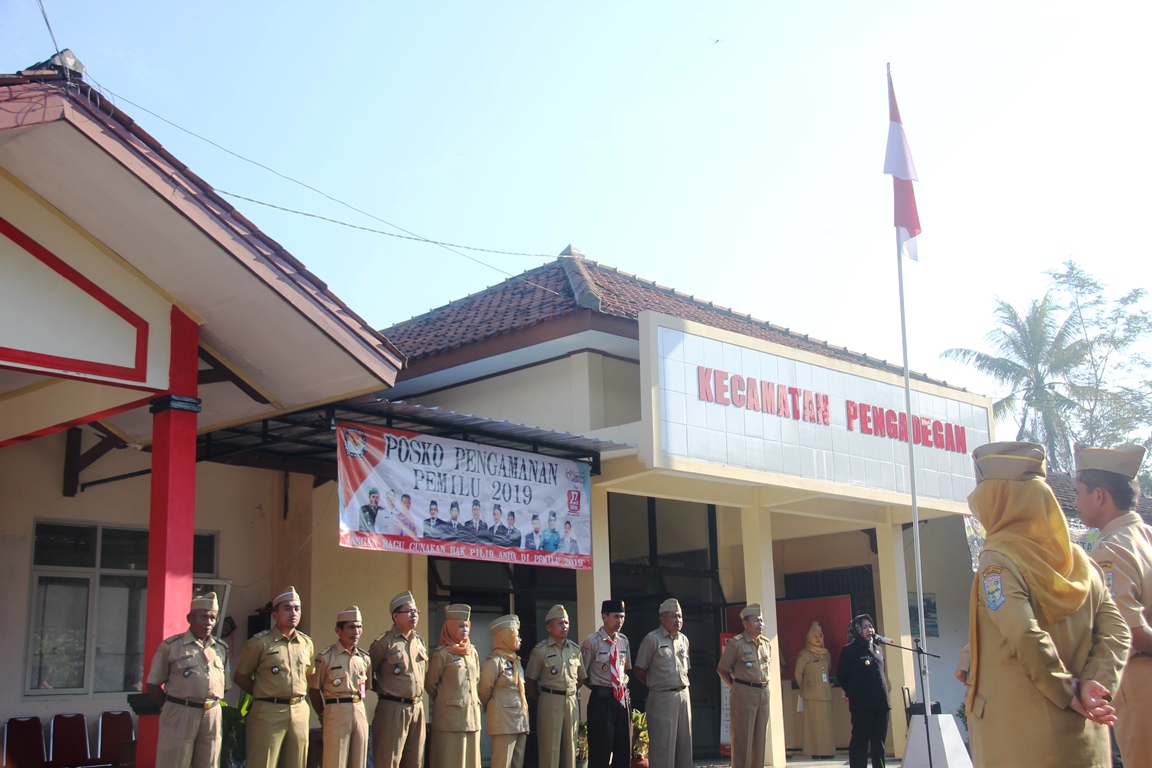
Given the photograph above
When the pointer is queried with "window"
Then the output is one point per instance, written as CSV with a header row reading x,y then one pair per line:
x,y
89,592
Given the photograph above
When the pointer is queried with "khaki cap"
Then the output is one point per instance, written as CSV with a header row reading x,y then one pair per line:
x,y
511,621
458,611
671,605
289,593
1010,461
752,609
205,602
556,612
401,600
1122,460
351,613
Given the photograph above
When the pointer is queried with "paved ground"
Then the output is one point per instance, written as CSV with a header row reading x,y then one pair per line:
x,y
794,762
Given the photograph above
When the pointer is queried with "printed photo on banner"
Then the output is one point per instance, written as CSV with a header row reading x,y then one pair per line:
x,y
407,492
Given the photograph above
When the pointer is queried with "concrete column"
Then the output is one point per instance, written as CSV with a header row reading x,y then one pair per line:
x,y
594,585
892,621
760,581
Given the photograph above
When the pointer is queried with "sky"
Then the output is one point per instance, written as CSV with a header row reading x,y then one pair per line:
x,y
731,150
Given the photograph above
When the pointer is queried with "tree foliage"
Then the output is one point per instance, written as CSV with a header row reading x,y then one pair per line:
x,y
1072,365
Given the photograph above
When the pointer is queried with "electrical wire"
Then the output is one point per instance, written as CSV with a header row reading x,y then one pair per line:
x,y
56,45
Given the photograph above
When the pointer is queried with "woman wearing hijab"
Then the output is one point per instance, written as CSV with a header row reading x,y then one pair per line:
x,y
453,673
1047,644
861,675
812,673
502,694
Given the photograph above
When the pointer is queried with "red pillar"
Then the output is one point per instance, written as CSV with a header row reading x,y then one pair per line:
x,y
172,515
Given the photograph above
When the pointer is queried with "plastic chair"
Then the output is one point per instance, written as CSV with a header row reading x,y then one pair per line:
x,y
68,735
24,742
115,731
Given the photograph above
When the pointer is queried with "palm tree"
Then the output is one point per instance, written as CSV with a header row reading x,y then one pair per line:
x,y
1036,356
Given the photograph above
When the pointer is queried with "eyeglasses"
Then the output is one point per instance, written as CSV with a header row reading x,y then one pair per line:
x,y
413,613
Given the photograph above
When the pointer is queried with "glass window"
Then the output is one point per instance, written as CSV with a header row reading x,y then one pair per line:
x,y
59,633
120,633
682,534
204,554
71,546
124,549
628,528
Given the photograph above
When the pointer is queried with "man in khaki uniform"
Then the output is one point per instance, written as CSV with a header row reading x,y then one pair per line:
x,y
662,665
336,688
555,672
744,667
399,664
1106,494
193,668
1047,643
274,668
606,658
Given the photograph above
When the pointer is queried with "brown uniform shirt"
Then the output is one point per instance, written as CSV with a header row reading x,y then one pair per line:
x,y
556,666
500,695
399,664
281,665
747,659
340,673
452,682
666,659
191,669
1124,554
595,652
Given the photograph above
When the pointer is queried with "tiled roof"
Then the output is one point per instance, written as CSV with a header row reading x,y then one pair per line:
x,y
573,284
1063,486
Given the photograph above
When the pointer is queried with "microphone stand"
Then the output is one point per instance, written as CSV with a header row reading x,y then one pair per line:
x,y
921,664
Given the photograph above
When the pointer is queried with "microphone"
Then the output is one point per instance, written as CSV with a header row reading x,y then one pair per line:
x,y
882,639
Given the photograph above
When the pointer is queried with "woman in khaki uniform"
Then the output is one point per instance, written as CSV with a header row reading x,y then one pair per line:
x,y
813,668
502,694
453,674
1047,643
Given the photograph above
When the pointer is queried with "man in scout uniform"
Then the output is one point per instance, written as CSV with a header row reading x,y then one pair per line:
x,y
554,674
1047,644
337,689
370,511
274,668
193,668
399,663
744,667
1106,494
662,665
606,658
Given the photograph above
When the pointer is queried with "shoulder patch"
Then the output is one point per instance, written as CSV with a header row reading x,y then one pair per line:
x,y
174,638
1105,563
992,569
261,634
993,589
539,644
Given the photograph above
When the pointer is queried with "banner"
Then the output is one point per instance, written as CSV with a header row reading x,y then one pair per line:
x,y
407,492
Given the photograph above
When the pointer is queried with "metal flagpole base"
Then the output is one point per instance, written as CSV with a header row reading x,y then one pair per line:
x,y
947,745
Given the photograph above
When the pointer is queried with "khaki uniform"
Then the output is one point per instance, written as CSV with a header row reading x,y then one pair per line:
x,y
399,666
451,683
669,707
278,719
1020,714
503,700
749,662
342,677
558,671
1124,554
812,675
195,675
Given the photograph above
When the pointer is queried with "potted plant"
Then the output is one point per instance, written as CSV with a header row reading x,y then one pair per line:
x,y
639,739
582,744
234,727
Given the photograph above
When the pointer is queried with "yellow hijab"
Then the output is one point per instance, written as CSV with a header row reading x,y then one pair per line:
x,y
819,651
1024,522
448,639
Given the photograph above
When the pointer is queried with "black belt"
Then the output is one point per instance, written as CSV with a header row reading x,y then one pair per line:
x,y
671,690
346,700
761,686
290,701
558,693
397,699
206,704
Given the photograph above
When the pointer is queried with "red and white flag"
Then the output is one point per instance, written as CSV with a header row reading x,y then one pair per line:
x,y
898,163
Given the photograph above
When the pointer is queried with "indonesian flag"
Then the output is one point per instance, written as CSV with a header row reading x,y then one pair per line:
x,y
898,163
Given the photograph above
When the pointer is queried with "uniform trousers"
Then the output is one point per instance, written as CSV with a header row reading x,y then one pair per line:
x,y
508,750
556,719
188,737
345,735
818,728
749,725
278,735
609,730
1133,702
455,749
869,729
670,728
398,734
